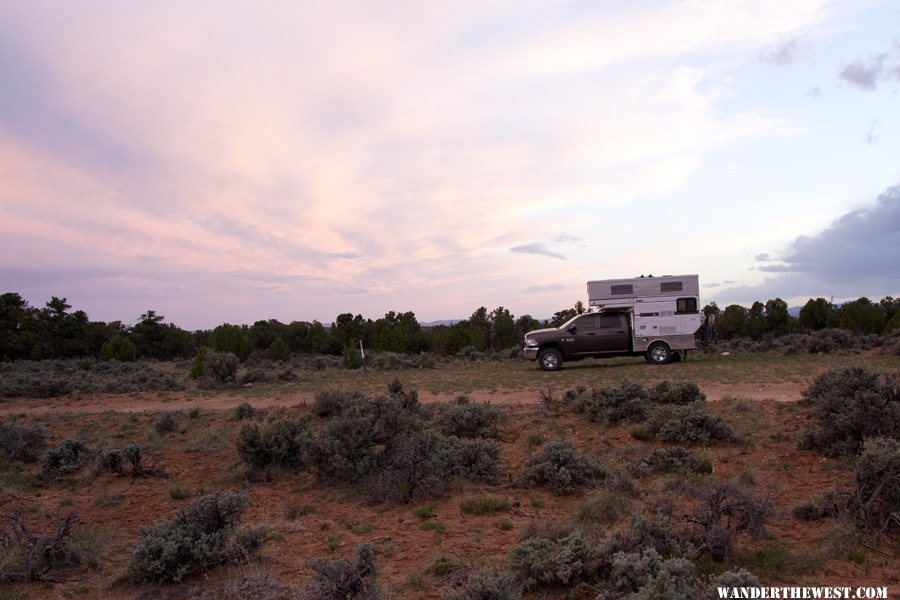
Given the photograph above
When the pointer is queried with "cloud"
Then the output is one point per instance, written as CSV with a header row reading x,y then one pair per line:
x,y
784,54
537,248
762,257
565,237
864,74
859,253
534,289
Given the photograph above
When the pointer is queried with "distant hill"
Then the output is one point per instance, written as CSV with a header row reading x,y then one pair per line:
x,y
444,322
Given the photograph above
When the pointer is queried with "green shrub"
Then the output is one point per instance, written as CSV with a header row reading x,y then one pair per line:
x,y
852,404
877,494
332,401
351,356
629,402
690,423
199,362
425,462
244,411
338,579
487,585
610,404
118,347
827,504
681,392
466,419
540,561
731,580
652,531
601,508
219,369
131,460
165,424
199,537
674,460
280,444
560,469
646,575
278,351
21,442
69,457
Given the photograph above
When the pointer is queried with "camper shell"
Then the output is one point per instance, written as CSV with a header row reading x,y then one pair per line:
x,y
659,309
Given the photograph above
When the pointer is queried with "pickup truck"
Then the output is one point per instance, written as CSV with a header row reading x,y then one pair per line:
x,y
592,335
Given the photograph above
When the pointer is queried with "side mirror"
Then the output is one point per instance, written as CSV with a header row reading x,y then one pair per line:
x,y
572,329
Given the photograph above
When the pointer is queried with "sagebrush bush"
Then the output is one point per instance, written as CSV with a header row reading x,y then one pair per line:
x,y
69,457
131,460
390,361
278,444
333,401
652,531
630,402
21,442
724,511
673,460
339,579
541,561
560,469
51,378
827,504
220,369
877,494
487,585
466,419
200,536
730,580
610,404
425,462
483,504
690,423
852,404
165,424
244,411
646,575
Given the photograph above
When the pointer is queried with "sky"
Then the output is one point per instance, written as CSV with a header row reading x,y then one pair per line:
x,y
232,161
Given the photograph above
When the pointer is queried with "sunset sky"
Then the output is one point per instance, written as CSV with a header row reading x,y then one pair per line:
x,y
232,161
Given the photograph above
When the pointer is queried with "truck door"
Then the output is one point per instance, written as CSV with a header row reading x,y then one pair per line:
x,y
612,333
581,337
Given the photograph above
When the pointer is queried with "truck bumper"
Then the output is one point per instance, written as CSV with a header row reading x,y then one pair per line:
x,y
531,353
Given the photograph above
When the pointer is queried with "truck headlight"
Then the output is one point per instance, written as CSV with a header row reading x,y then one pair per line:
x,y
530,342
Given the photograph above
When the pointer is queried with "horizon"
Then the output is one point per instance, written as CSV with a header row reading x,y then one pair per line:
x,y
224,163
792,309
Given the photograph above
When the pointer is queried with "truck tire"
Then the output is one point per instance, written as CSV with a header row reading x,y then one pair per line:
x,y
658,353
550,359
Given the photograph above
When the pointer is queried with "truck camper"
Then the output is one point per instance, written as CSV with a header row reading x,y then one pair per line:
x,y
654,317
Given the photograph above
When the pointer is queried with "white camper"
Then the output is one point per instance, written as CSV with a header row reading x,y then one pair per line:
x,y
664,312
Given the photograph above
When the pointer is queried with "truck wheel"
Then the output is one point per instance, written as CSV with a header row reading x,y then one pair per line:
x,y
658,353
550,359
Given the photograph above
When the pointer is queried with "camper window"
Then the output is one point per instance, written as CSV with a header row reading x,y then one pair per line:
x,y
686,306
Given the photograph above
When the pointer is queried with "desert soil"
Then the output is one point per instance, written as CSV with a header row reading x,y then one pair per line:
x,y
309,519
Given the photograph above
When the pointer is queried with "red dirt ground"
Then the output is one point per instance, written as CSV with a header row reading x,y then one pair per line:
x,y
202,458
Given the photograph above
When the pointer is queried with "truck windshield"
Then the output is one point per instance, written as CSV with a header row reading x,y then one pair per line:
x,y
568,323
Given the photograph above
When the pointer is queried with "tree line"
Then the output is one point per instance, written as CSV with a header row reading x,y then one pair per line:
x,y
54,331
